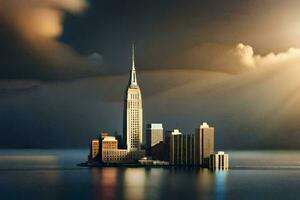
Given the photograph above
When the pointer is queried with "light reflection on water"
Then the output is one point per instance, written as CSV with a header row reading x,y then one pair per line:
x,y
156,183
104,182
134,183
220,184
53,174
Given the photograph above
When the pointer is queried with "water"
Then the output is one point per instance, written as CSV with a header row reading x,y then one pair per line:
x,y
53,174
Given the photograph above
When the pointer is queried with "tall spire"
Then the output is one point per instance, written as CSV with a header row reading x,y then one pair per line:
x,y
133,81
133,57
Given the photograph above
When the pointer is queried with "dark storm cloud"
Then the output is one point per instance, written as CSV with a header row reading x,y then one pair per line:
x,y
51,39
165,31
29,46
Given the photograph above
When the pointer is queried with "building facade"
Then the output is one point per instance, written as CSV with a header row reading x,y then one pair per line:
x,y
182,148
111,154
175,147
133,112
94,150
219,161
109,142
154,135
110,151
115,156
189,150
109,146
204,144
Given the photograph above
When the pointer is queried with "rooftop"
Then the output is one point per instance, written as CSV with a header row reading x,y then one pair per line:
x,y
155,126
109,138
204,125
176,132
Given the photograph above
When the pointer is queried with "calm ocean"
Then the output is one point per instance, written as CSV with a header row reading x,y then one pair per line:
x,y
53,174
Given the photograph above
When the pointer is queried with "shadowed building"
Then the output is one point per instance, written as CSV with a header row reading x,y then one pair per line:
x,y
175,147
160,151
204,144
120,140
189,151
182,148
154,136
101,137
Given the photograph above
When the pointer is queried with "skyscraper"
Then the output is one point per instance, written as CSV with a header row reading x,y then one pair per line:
x,y
204,144
182,151
154,135
176,147
189,149
133,112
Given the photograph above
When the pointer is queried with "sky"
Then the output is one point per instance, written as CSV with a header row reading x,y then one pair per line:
x,y
64,66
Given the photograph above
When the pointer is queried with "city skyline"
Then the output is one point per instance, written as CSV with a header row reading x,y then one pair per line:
x,y
63,64
149,99
161,149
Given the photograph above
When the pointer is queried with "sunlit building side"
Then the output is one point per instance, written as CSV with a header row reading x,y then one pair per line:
x,y
133,112
111,153
204,144
94,149
154,136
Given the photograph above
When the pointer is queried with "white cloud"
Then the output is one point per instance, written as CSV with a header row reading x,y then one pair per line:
x,y
236,59
243,54
247,58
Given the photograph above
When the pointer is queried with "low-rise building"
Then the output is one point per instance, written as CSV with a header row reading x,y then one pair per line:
x,y
134,156
111,153
147,161
219,161
114,155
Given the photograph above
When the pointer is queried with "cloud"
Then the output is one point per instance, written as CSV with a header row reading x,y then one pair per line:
x,y
39,18
249,110
238,59
244,55
247,59
31,49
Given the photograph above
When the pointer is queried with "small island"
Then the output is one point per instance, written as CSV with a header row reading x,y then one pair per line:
x,y
162,149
